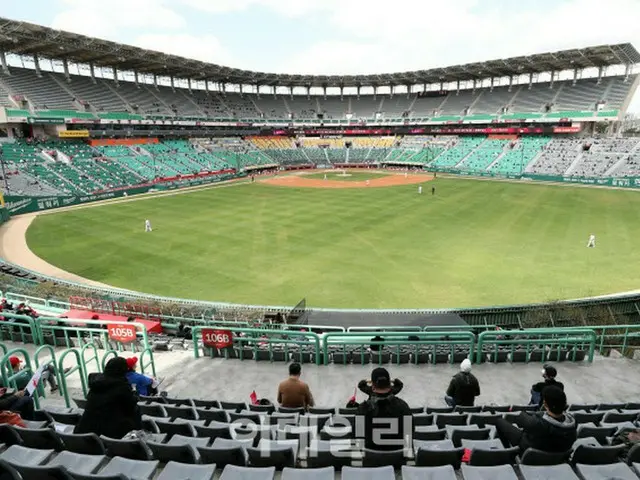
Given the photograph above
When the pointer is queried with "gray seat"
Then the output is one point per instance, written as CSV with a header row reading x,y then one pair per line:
x,y
492,444
181,471
171,428
445,472
134,449
8,472
491,458
138,469
77,462
326,473
41,472
547,472
235,472
500,472
587,455
186,412
377,458
193,441
433,444
436,458
154,410
86,443
214,431
617,471
41,438
213,415
173,453
457,435
532,456
378,473
19,455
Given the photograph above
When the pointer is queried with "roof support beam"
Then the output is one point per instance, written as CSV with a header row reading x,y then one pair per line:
x,y
115,76
3,61
92,73
135,77
36,62
65,66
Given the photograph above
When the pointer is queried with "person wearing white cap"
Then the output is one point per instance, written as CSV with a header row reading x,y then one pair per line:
x,y
463,388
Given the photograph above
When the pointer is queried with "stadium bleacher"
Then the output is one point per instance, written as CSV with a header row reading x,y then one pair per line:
x,y
55,95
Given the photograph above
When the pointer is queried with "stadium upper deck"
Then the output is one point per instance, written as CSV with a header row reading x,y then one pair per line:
x,y
118,82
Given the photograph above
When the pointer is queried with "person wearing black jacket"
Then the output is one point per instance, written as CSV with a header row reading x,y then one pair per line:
x,y
112,407
549,374
552,431
463,388
384,419
366,387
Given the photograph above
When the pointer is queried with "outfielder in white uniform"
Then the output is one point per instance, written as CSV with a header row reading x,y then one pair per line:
x,y
420,190
592,241
147,226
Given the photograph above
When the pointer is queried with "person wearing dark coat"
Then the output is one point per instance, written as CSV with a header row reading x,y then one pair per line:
x,y
463,388
553,430
366,387
383,419
112,407
549,373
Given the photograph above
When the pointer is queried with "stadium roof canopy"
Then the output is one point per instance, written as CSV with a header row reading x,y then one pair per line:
x,y
27,39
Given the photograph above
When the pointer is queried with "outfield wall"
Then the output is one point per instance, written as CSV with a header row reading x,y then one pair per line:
x,y
620,182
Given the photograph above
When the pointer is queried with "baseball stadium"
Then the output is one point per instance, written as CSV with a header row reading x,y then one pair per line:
x,y
204,221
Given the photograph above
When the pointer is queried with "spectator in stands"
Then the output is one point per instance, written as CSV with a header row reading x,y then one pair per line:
x,y
552,430
376,348
293,392
112,407
19,402
366,387
384,419
144,385
25,374
463,388
5,305
549,373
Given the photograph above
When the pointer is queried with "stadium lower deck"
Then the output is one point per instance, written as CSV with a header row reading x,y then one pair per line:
x,y
504,387
72,167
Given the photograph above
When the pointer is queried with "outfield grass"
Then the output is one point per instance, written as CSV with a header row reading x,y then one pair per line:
x,y
475,243
351,176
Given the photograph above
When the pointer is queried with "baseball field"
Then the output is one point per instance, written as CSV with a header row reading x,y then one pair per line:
x,y
473,243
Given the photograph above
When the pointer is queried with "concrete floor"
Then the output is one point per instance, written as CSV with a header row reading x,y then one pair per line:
x,y
604,380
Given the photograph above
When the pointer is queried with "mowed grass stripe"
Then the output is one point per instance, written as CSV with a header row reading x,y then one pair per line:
x,y
474,243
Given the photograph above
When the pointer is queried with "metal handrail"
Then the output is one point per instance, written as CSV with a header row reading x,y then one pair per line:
x,y
546,337
399,339
66,373
257,335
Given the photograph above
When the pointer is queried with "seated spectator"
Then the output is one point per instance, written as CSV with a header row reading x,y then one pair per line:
x,y
549,374
384,418
112,407
365,386
551,431
293,392
25,374
20,403
6,305
144,385
463,388
376,348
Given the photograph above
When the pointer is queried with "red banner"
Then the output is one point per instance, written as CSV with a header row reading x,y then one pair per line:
x,y
122,332
217,338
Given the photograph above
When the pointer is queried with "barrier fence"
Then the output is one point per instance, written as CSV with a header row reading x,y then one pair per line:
x,y
217,342
397,343
543,341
